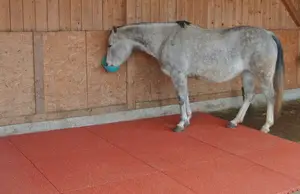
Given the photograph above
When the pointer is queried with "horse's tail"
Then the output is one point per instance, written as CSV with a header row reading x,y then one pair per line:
x,y
278,77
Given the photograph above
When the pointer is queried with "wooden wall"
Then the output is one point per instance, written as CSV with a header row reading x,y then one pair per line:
x,y
66,15
50,52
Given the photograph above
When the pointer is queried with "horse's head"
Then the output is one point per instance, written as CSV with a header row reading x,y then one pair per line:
x,y
119,48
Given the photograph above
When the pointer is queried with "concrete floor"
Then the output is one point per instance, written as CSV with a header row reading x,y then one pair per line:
x,y
287,126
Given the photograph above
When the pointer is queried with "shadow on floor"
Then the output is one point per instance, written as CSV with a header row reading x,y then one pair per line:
x,y
287,126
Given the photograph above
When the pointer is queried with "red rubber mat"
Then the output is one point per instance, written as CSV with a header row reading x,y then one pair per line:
x,y
145,156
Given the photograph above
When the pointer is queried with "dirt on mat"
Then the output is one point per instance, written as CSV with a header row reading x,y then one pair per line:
x,y
287,126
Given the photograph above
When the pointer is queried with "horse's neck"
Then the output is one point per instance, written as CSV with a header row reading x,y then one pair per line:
x,y
151,37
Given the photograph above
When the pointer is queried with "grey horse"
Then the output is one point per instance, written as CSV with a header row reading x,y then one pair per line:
x,y
217,55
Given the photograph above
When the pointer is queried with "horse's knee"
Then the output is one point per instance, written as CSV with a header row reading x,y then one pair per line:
x,y
180,100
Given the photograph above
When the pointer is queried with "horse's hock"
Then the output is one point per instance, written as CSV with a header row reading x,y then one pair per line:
x,y
50,53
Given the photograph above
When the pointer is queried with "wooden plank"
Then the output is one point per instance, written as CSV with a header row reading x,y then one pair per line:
x,y
146,10
245,12
53,15
29,15
155,14
257,13
97,14
16,12
65,15
210,14
119,12
87,15
266,15
130,11
4,15
108,6
295,14
39,73
138,11
200,12
130,87
251,12
238,13
182,10
172,11
227,13
76,15
41,15
218,14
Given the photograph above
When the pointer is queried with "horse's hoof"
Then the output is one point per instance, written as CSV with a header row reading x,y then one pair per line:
x,y
231,125
178,129
186,124
265,130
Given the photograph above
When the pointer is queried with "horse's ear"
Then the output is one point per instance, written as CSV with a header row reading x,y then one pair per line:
x,y
114,29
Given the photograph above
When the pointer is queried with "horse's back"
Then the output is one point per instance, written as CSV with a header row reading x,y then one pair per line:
x,y
219,54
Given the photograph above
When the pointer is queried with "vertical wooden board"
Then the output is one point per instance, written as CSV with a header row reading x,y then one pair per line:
x,y
245,12
163,10
76,15
238,12
97,14
290,49
227,13
108,9
65,14
218,13
200,12
16,74
171,10
251,12
119,12
4,15
130,11
29,15
38,58
275,16
65,71
155,13
266,15
185,10
138,11
53,15
103,89
258,13
146,10
190,10
16,13
181,10
87,14
41,15
130,68
210,14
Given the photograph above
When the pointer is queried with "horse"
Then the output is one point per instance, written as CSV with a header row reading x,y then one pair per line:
x,y
186,50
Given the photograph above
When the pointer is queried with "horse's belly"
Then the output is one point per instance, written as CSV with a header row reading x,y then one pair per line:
x,y
217,73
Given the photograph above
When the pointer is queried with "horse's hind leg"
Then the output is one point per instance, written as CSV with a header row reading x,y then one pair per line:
x,y
180,83
249,93
268,91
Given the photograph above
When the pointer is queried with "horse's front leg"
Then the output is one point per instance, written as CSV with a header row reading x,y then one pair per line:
x,y
180,83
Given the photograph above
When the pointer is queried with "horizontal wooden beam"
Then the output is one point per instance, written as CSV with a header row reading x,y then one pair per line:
x,y
295,14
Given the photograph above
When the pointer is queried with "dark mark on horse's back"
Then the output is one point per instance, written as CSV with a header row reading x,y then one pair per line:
x,y
183,23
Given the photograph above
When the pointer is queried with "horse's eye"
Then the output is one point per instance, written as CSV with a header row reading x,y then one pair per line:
x,y
109,45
